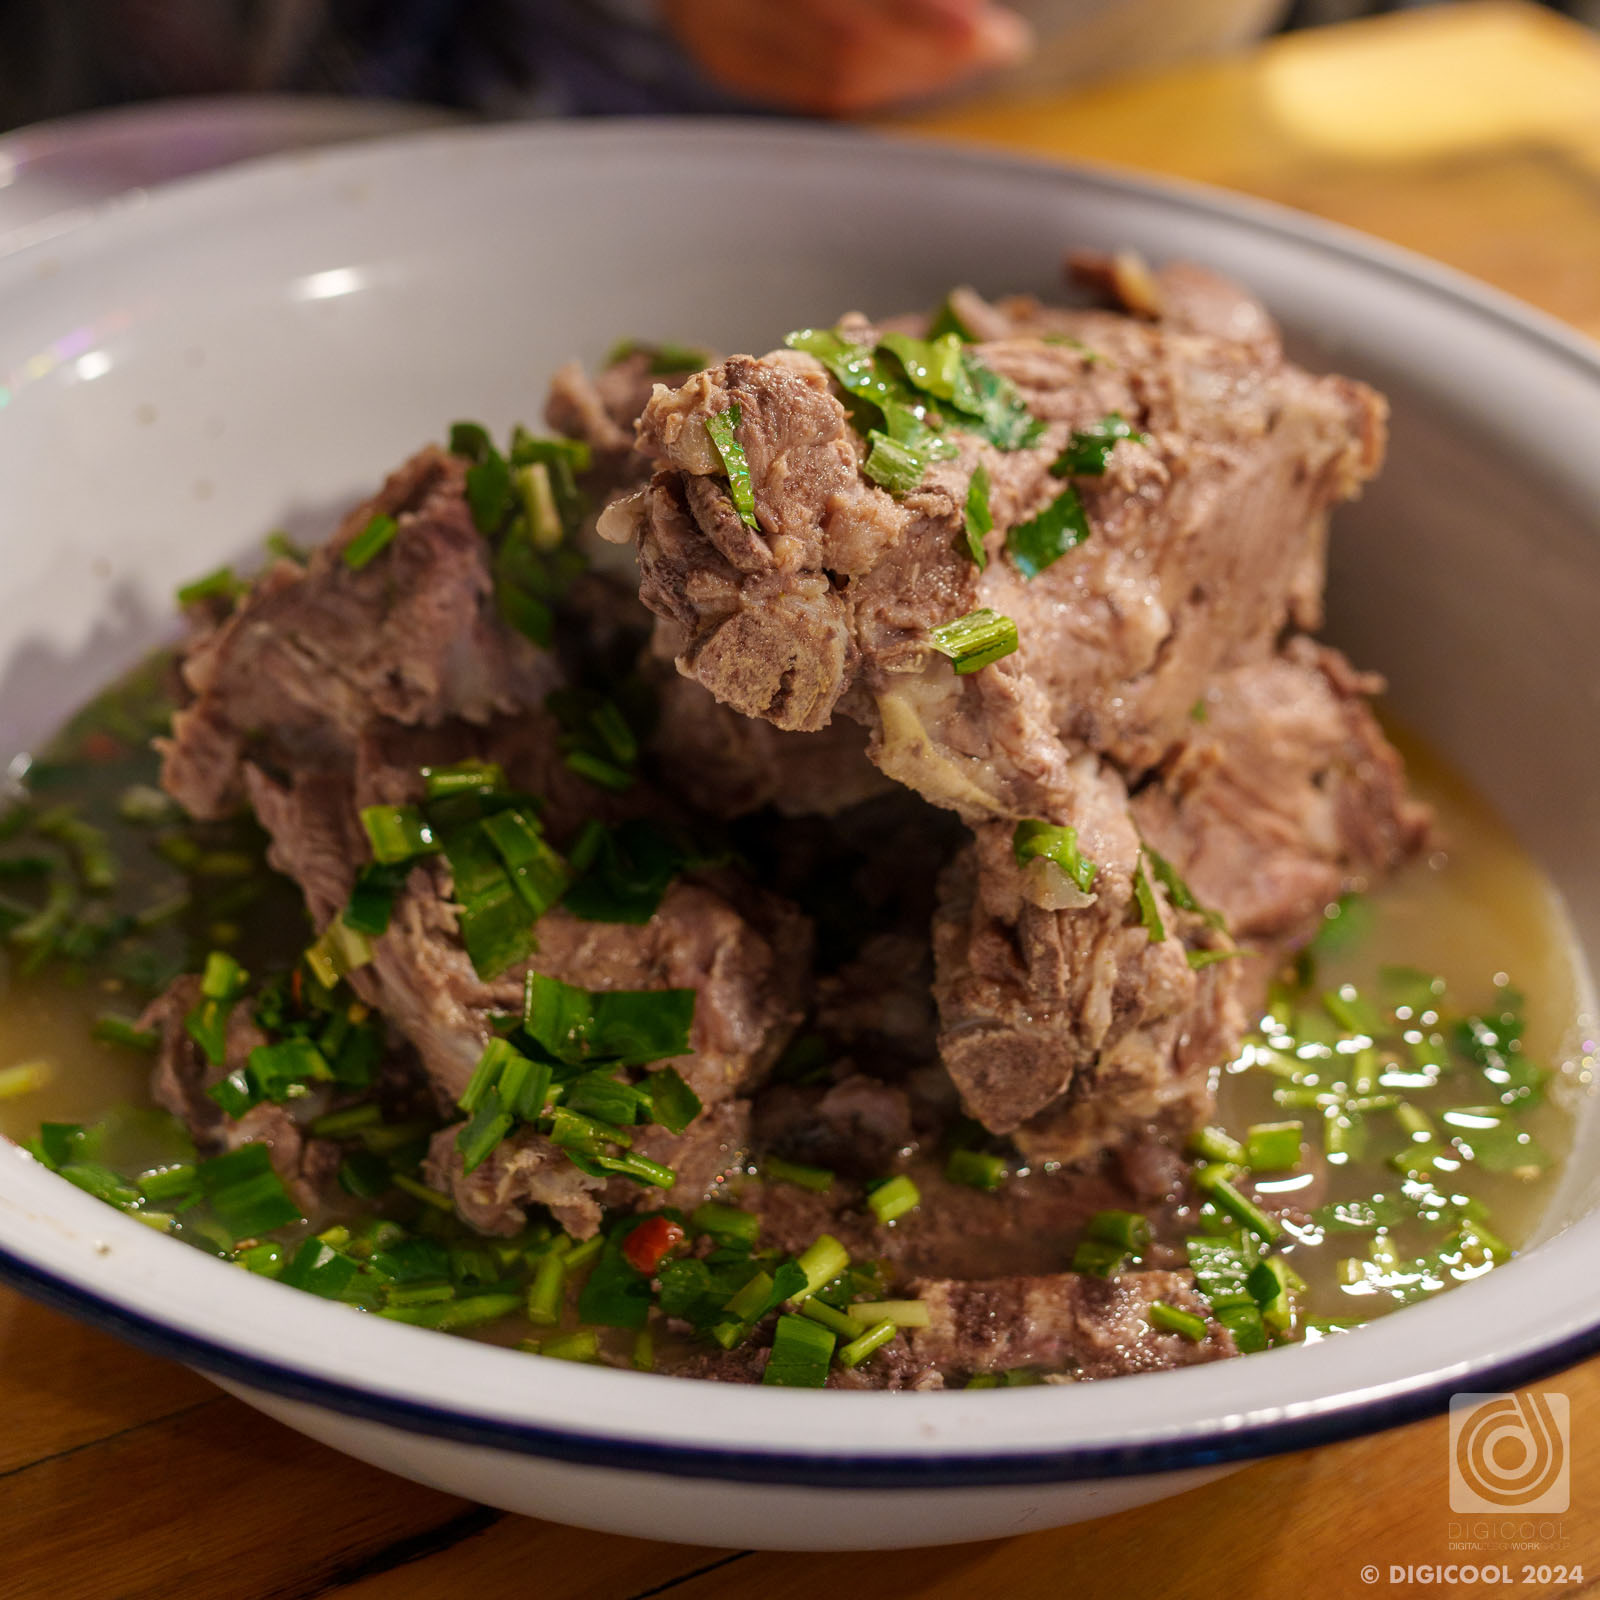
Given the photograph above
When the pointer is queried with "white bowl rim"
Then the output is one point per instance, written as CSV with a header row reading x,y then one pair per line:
x,y
69,1250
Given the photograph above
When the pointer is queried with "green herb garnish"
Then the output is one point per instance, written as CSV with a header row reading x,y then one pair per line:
x,y
1043,539
723,427
975,640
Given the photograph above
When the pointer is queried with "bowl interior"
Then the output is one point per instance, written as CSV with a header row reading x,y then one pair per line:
x,y
248,353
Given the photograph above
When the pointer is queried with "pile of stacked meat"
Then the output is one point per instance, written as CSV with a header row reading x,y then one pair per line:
x,y
1165,696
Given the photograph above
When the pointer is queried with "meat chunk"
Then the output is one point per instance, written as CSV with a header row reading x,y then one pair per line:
x,y
1284,797
311,658
728,765
1046,992
1066,1017
748,965
602,411
524,1169
1093,1327
1206,541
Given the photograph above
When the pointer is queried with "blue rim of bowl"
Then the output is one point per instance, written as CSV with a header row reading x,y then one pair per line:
x,y
1219,1445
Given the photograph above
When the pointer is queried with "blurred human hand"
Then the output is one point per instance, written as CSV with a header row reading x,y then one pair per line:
x,y
841,56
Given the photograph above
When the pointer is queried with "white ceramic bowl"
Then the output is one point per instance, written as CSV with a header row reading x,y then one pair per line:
x,y
254,348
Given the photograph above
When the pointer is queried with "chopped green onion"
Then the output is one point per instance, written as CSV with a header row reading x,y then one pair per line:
x,y
419,1294
547,1290
1178,892
1343,1132
1245,1324
223,977
605,1098
598,770
934,365
1215,1182
975,640
1198,959
902,1313
1169,1319
1215,1144
723,427
490,495
644,1352
581,1346
776,1170
893,1198
1088,449
479,1137
617,1294
464,777
896,467
539,874
100,1181
728,1225
1005,420
218,585
664,358
673,1104
857,1351
1415,1121
119,1031
539,507
265,1260
630,1026
1099,1258
420,1191
1353,1012
496,1056
580,1255
245,1193
1044,538
978,517
337,950
1149,911
976,1169
144,805
1273,1146
1269,1283
27,1077
640,1168
801,1351
455,1315
946,323
207,1025
56,1143
495,926
1032,840
1128,1229
371,541
752,1299
525,1087
836,1322
821,1262
572,1130
397,833
470,440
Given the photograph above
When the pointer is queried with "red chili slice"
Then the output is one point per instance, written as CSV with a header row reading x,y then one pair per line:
x,y
650,1241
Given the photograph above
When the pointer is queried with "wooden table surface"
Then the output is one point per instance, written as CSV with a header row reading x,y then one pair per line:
x,y
1471,133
